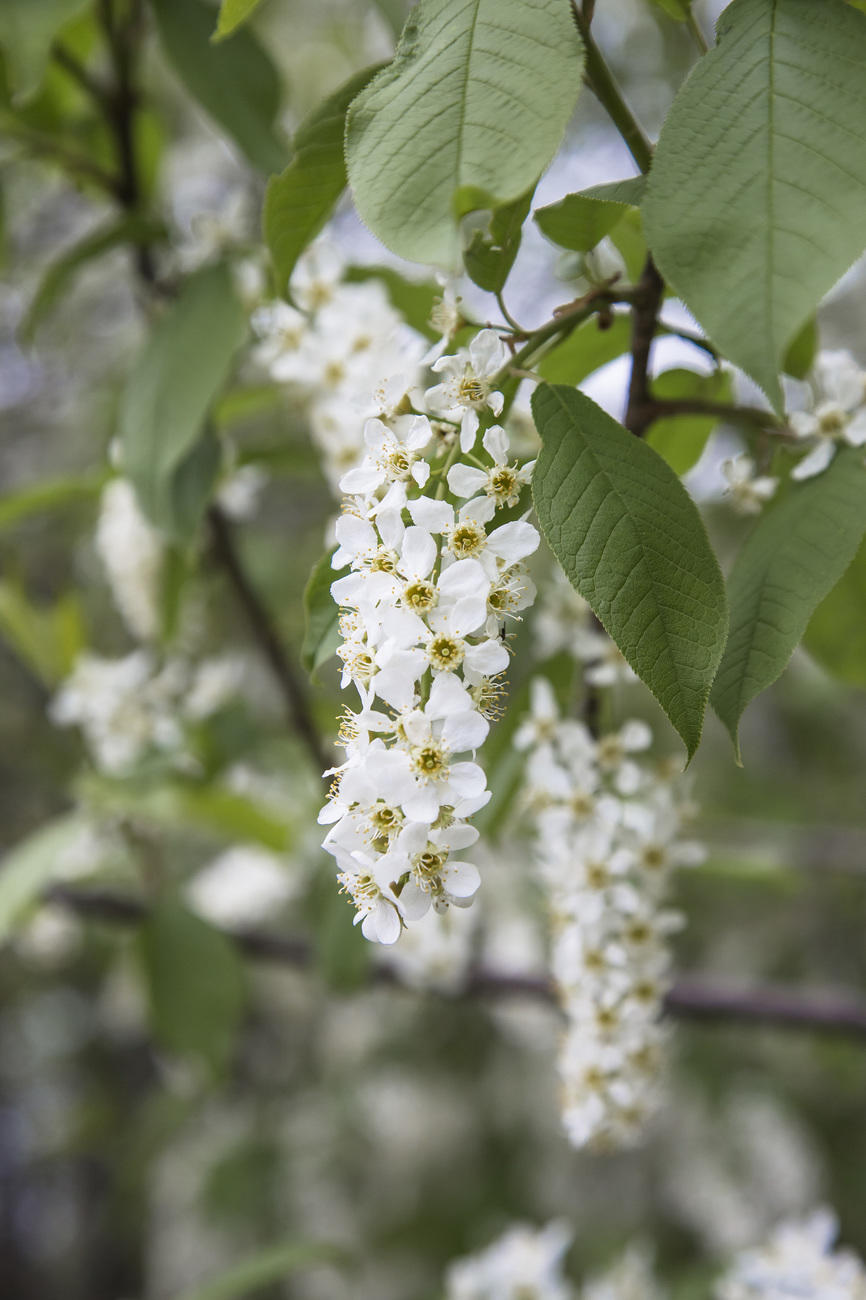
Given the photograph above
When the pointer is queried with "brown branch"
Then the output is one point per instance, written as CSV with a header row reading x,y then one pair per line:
x,y
657,408
644,318
267,638
689,999
119,103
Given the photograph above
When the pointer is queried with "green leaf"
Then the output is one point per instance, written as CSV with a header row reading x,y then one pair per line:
x,y
50,494
586,349
754,206
801,351
468,115
235,82
300,200
232,14
194,981
163,410
678,9
244,1279
341,953
681,439
321,616
110,235
490,254
836,635
26,32
793,558
180,805
31,865
580,221
46,638
630,539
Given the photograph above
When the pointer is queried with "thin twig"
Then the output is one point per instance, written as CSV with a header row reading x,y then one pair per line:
x,y
119,106
689,999
267,638
66,60
657,408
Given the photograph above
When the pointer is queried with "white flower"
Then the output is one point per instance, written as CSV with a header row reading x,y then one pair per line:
x,y
124,707
241,492
316,275
798,1262
630,1278
244,885
132,552
747,490
525,1262
502,482
466,387
839,414
392,454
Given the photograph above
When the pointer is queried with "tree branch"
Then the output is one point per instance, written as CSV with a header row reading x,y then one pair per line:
x,y
689,999
267,638
657,408
644,318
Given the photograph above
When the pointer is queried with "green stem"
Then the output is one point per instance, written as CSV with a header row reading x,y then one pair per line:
x,y
699,38
600,79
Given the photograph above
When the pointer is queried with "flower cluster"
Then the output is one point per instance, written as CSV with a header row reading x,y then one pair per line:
x,y
524,1261
343,350
136,707
837,415
608,834
425,605
798,1260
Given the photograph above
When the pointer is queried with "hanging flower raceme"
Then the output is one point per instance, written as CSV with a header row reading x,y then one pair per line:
x,y
607,836
425,606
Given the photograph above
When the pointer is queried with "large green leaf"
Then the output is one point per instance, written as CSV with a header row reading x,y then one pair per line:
x,y
49,494
580,221
31,865
631,541
795,555
681,439
836,635
45,637
586,349
27,28
299,201
468,114
115,233
189,806
194,982
184,364
755,201
235,81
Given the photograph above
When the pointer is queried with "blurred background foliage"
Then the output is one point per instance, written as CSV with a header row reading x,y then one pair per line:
x,y
309,1133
